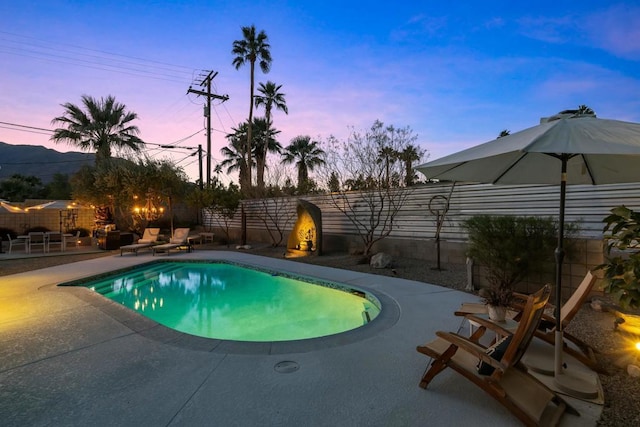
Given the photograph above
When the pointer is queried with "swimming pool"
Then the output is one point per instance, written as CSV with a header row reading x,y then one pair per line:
x,y
233,302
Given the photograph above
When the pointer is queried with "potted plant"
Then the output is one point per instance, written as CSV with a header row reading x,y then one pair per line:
x,y
498,300
509,248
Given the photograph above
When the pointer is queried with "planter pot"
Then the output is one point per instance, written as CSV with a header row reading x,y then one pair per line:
x,y
497,313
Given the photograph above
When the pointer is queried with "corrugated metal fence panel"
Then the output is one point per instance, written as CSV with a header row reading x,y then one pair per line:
x,y
585,203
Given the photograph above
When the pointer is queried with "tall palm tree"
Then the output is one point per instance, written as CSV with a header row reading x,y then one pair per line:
x,y
250,49
264,142
270,97
103,126
306,154
410,154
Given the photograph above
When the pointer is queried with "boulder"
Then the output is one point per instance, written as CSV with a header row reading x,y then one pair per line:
x,y
633,371
381,260
596,305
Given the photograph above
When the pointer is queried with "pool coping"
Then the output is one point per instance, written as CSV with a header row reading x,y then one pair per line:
x,y
150,329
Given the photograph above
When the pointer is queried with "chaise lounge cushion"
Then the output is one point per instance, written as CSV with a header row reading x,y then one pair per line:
x,y
496,352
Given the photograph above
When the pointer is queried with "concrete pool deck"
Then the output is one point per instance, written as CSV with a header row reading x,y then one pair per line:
x,y
70,357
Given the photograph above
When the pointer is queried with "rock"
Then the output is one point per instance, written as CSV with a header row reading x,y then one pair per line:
x,y
596,304
381,260
633,371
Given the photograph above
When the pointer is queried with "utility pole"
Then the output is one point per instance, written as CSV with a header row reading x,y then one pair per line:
x,y
200,165
206,82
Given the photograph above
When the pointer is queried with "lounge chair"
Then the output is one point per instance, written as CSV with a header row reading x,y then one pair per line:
x,y
148,239
71,240
546,330
37,238
16,242
54,238
528,399
178,240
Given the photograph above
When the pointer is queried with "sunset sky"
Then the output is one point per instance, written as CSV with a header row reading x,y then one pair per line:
x,y
455,74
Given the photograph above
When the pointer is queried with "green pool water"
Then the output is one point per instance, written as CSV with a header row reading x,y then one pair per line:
x,y
225,301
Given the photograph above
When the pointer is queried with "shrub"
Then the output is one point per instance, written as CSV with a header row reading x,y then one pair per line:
x,y
622,272
4,231
511,247
37,229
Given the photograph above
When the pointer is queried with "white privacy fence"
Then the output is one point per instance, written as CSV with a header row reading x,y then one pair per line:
x,y
416,220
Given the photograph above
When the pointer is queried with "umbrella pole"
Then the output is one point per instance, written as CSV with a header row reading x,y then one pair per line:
x,y
576,383
559,256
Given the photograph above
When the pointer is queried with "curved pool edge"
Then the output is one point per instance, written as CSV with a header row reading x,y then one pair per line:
x,y
150,329
153,330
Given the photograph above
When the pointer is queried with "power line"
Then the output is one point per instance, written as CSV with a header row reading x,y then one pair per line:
x,y
25,126
147,143
24,130
107,61
97,50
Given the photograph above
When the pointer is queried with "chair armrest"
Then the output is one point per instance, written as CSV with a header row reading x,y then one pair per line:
x,y
489,324
471,308
520,296
471,347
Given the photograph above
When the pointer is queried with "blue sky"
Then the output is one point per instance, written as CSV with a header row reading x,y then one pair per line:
x,y
457,74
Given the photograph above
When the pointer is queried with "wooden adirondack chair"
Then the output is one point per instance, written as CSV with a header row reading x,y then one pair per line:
x,y
546,331
528,399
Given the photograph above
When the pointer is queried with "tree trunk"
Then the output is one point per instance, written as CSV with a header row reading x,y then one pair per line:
x,y
249,128
260,167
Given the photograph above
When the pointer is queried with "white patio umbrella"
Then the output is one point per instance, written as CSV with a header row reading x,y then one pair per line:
x,y
59,205
55,204
566,148
7,207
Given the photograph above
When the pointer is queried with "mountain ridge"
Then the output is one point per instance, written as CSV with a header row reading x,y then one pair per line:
x,y
41,162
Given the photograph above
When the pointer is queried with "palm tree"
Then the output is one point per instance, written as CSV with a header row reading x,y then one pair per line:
x,y
388,156
585,110
104,125
250,49
234,153
271,97
504,132
306,154
410,154
264,142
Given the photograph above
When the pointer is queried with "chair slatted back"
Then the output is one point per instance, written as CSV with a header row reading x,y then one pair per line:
x,y
577,299
54,236
531,315
36,237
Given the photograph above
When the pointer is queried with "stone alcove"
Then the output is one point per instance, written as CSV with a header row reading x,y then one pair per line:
x,y
306,237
